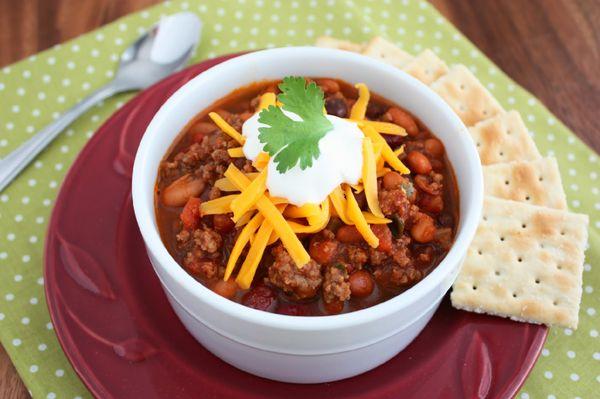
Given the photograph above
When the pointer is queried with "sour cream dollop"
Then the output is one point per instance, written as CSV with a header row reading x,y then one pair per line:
x,y
340,161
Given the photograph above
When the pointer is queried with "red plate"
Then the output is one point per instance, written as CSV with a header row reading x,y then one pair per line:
x,y
122,338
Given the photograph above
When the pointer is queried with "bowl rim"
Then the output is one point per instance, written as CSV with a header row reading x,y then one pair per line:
x,y
468,218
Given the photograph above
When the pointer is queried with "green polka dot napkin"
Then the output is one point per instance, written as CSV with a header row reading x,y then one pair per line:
x,y
38,89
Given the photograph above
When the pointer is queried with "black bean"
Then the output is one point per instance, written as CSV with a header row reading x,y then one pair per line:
x,y
375,110
336,106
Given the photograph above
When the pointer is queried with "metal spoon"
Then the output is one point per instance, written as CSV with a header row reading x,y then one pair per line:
x,y
153,56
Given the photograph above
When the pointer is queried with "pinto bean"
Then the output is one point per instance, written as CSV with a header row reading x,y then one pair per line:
x,y
423,230
392,180
226,289
200,129
181,190
403,118
434,147
418,163
328,86
348,235
323,251
361,283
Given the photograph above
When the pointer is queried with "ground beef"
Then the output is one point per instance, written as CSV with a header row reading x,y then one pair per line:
x,y
335,284
207,240
357,256
394,202
401,277
202,251
301,283
395,269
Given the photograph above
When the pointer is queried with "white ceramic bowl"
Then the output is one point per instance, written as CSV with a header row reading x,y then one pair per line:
x,y
305,349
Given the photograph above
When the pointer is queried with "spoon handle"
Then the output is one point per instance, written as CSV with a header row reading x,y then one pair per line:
x,y
17,160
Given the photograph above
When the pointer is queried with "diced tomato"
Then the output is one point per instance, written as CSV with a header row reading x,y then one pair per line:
x,y
190,215
385,237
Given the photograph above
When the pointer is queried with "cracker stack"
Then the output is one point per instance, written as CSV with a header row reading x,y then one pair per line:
x,y
526,260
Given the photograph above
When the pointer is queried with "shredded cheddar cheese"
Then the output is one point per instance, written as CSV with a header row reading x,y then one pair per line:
x,y
237,152
261,161
369,177
226,128
339,204
383,127
224,184
359,109
273,215
386,151
267,100
355,214
241,242
249,196
248,268
217,206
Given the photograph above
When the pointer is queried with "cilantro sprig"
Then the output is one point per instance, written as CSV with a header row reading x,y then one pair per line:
x,y
290,141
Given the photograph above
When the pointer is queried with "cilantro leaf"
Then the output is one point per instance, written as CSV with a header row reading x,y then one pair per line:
x,y
290,141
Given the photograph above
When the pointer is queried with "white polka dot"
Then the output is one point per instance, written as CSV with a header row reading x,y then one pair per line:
x,y
596,355
568,331
25,200
587,267
15,109
33,301
49,326
10,236
571,354
31,182
46,78
39,220
588,289
75,48
2,316
550,397
26,258
18,278
591,311
9,297
25,320
26,74
71,65
545,352
42,347
16,342
524,395
59,372
51,395
548,374
3,255
574,377
33,368
594,333
18,218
